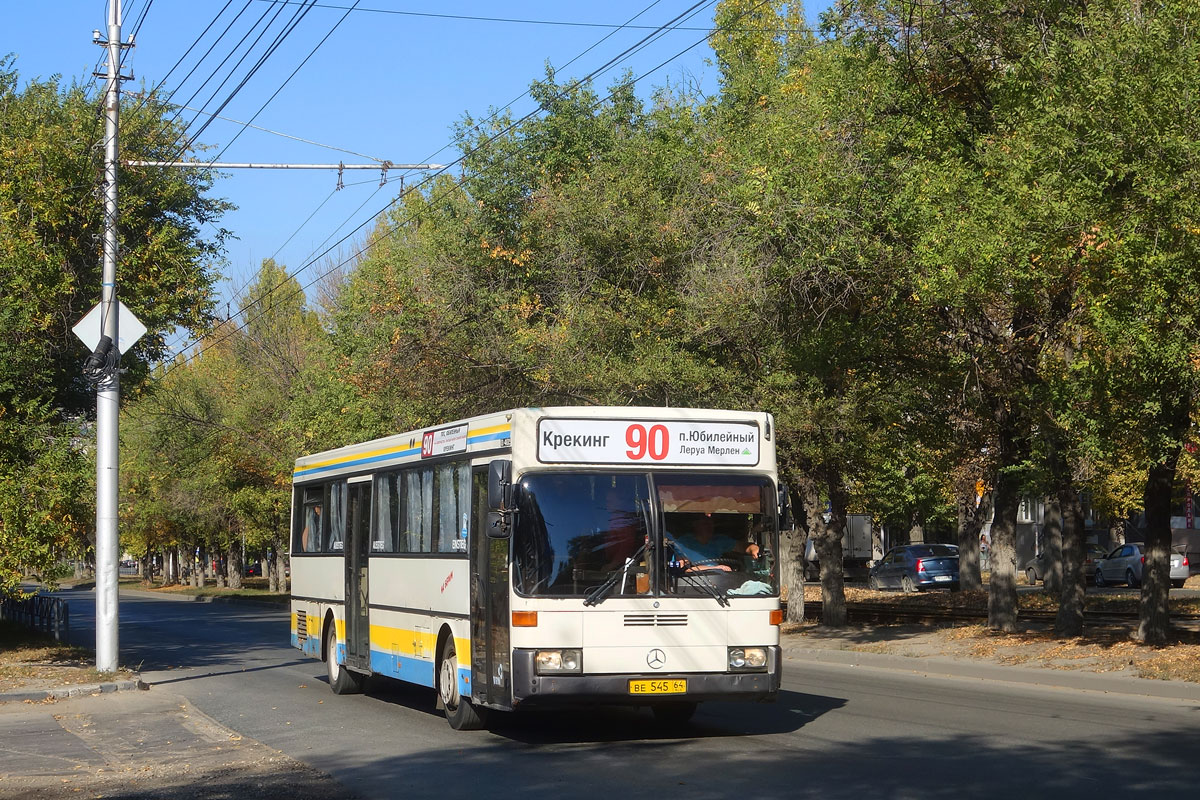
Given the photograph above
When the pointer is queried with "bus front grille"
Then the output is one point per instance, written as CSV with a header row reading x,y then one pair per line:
x,y
655,620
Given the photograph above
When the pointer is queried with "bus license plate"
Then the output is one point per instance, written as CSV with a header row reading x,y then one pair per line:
x,y
675,686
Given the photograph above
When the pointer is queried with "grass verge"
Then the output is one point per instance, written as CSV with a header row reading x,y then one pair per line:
x,y
32,660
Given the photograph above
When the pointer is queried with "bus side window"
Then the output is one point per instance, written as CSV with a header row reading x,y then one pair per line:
x,y
416,535
335,528
452,507
387,512
310,533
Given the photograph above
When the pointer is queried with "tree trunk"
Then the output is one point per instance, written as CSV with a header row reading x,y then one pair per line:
x,y
796,539
1116,533
833,585
972,511
280,571
1002,594
234,566
201,568
1052,547
1154,624
1069,620
916,529
827,540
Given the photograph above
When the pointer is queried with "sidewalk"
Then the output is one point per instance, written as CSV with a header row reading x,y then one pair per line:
x,y
920,650
139,744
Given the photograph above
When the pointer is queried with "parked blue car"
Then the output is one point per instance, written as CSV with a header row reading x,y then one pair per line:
x,y
913,567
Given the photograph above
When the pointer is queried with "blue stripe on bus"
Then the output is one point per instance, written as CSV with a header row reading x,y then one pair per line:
x,y
311,646
488,437
404,668
415,670
356,462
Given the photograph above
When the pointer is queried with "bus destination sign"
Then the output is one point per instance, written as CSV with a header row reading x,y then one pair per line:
x,y
647,441
444,441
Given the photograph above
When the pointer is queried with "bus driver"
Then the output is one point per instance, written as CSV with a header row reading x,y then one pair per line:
x,y
702,547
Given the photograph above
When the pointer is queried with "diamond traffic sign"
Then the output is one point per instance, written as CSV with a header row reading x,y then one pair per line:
x,y
129,328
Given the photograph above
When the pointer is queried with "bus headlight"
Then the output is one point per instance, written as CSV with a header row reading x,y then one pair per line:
x,y
558,661
747,659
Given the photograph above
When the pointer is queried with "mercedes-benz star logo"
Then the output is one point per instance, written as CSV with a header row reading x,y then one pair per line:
x,y
656,658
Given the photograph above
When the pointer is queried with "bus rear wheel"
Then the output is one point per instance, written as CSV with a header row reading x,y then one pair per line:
x,y
341,680
461,713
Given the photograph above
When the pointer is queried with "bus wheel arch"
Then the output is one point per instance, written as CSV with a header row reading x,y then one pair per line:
x,y
341,679
328,634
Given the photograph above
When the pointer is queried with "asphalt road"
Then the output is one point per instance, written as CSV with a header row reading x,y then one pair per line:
x,y
836,731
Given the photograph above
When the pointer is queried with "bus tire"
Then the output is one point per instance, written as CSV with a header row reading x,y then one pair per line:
x,y
461,713
341,680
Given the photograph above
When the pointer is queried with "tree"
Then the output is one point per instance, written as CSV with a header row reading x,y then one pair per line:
x,y
49,246
229,423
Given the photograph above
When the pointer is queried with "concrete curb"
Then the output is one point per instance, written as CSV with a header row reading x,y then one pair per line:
x,y
963,669
63,692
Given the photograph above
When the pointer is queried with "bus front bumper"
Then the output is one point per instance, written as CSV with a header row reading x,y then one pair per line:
x,y
530,688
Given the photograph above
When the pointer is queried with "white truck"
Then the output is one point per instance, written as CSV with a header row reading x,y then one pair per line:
x,y
858,549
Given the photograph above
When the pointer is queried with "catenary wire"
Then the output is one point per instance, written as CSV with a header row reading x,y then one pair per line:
x,y
309,259
632,49
183,360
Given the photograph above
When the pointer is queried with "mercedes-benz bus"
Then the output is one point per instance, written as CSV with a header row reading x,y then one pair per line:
x,y
547,556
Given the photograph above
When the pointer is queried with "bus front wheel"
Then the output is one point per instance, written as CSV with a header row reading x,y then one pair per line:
x,y
461,713
341,680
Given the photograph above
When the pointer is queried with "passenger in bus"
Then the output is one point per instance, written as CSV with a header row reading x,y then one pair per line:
x,y
701,548
310,537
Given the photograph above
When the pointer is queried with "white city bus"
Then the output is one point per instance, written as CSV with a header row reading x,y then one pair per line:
x,y
547,556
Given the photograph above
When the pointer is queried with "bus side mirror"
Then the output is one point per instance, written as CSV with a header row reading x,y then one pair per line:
x,y
785,508
500,485
500,495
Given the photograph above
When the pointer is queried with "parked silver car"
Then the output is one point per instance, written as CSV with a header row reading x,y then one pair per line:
x,y
1125,564
1035,569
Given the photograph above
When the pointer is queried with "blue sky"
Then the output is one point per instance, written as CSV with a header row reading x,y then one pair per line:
x,y
386,85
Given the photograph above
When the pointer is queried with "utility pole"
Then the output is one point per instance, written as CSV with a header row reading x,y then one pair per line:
x,y
108,370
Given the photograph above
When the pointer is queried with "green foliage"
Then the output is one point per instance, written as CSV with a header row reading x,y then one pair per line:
x,y
209,448
50,234
947,244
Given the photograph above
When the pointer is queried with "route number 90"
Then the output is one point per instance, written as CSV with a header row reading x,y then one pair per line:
x,y
642,442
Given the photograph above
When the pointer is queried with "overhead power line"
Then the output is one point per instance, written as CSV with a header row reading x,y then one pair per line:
x,y
429,178
311,258
473,18
387,165
280,133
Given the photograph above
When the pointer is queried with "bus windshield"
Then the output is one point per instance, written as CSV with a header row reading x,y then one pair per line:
x,y
599,535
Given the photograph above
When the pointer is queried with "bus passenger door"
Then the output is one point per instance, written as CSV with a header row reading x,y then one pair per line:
x,y
490,655
358,543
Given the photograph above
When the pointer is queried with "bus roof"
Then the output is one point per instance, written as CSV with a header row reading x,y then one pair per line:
x,y
493,432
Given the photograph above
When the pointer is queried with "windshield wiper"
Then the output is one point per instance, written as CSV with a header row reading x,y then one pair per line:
x,y
701,582
596,596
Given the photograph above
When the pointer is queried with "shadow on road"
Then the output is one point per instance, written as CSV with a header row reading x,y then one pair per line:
x,y
583,723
